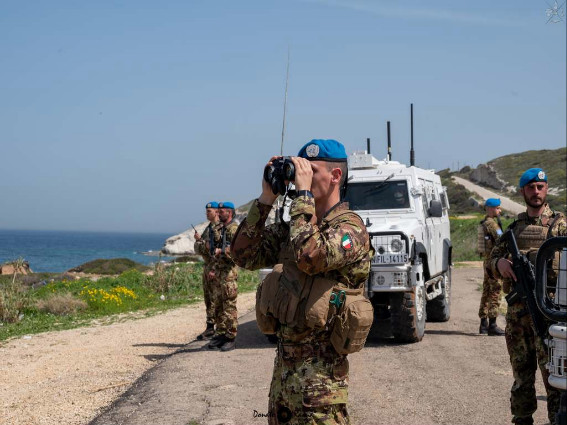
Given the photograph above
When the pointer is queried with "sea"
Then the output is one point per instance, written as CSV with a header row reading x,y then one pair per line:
x,y
58,251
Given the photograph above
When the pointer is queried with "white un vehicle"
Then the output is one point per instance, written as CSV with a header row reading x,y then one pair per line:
x,y
405,210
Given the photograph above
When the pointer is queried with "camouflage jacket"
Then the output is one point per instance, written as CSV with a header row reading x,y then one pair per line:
x,y
547,218
223,235
200,246
337,248
492,231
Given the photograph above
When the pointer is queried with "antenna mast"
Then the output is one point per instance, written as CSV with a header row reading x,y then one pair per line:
x,y
285,102
412,154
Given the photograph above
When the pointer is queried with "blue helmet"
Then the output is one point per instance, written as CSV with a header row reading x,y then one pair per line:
x,y
226,205
492,202
533,175
323,150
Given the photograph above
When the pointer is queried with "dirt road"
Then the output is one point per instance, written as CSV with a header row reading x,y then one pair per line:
x,y
506,203
454,376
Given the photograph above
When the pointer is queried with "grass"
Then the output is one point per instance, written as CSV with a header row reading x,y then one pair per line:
x,y
131,294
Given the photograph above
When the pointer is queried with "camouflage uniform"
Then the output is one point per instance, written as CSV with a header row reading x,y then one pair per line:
x,y
491,287
201,249
310,380
225,287
524,347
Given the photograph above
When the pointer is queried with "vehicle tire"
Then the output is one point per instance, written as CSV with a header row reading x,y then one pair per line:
x,y
408,315
439,308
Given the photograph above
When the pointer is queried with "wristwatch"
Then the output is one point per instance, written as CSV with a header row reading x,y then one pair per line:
x,y
305,193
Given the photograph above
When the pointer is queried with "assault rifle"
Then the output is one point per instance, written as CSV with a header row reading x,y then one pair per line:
x,y
524,287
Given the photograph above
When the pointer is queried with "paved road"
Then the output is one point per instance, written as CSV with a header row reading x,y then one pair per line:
x,y
506,203
454,376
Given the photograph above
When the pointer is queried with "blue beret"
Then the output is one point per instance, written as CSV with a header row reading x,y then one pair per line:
x,y
212,204
226,205
533,175
323,150
492,202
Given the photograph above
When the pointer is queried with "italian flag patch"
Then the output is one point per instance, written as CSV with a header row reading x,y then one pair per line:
x,y
346,242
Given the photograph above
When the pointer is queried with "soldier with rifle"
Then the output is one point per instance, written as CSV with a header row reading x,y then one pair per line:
x,y
225,287
489,231
204,246
524,325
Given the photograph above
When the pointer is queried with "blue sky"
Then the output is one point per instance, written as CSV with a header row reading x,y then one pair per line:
x,y
131,115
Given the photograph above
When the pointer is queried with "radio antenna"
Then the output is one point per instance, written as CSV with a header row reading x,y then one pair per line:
x,y
285,102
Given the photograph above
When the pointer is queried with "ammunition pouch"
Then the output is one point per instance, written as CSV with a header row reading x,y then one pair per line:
x,y
353,321
513,297
293,298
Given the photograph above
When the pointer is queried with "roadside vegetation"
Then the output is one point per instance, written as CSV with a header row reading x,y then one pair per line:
x,y
36,303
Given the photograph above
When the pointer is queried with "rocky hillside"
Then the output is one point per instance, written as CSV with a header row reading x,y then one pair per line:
x,y
503,174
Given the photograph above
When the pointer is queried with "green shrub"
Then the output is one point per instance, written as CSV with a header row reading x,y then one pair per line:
x,y
14,297
112,266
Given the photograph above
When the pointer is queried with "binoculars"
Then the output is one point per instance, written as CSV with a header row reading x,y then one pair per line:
x,y
281,169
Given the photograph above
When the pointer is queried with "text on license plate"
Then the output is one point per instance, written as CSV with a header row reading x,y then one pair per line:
x,y
391,258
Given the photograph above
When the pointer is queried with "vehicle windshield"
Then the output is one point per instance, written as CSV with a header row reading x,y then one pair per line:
x,y
384,195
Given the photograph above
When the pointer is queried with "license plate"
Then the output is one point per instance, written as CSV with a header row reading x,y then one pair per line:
x,y
391,258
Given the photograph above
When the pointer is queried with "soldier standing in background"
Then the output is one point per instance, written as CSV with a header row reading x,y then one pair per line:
x,y
225,286
526,350
490,230
204,244
321,255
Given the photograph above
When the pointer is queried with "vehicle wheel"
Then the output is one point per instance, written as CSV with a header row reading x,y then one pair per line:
x,y
408,315
439,308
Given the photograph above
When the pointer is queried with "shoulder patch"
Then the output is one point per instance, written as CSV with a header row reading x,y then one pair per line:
x,y
346,242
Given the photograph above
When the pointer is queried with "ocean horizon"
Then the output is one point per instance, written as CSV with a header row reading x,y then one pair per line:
x,y
59,250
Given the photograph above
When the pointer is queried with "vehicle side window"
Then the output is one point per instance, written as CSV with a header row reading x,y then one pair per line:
x,y
425,197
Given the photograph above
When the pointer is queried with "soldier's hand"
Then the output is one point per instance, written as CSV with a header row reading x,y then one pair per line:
x,y
303,173
267,197
197,236
211,274
505,269
217,252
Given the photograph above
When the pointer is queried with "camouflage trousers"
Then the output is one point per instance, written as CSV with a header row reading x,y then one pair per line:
x,y
527,351
490,298
207,295
308,388
224,291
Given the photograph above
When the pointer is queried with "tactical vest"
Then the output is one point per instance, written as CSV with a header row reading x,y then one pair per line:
x,y
484,241
295,299
530,236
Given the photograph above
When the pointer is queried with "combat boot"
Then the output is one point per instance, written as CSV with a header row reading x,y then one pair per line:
x,y
523,420
207,333
493,329
229,345
217,342
483,330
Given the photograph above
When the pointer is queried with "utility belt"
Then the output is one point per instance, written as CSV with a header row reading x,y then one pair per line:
x,y
314,303
299,352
